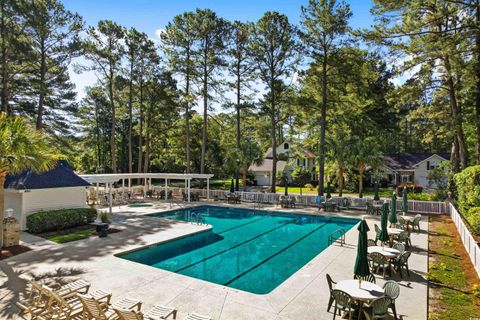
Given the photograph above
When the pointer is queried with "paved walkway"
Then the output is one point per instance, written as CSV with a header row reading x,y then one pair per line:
x,y
303,296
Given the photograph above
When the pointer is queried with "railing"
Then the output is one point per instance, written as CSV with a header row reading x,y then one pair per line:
x,y
468,241
341,237
414,206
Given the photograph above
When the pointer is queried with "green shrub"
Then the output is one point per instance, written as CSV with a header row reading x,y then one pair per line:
x,y
420,196
44,221
309,186
467,185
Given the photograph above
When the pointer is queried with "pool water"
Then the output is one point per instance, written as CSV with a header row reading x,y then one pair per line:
x,y
249,250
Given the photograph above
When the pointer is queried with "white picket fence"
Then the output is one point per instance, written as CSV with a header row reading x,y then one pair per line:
x,y
414,206
468,241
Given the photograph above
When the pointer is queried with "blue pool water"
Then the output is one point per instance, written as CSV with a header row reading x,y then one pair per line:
x,y
249,250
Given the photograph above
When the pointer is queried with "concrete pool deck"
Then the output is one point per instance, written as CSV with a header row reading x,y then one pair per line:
x,y
302,296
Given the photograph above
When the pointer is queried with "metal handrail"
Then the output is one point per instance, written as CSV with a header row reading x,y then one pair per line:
x,y
341,239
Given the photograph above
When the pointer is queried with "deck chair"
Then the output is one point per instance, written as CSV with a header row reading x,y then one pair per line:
x,y
79,286
95,310
156,313
36,302
196,316
66,307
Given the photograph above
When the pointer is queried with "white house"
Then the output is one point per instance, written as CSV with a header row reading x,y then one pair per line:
x,y
412,167
295,157
59,188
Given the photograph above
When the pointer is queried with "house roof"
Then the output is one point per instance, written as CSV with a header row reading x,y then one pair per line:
x,y
406,161
305,152
59,177
267,166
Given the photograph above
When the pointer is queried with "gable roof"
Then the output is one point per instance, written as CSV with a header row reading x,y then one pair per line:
x,y
59,177
267,166
300,150
405,161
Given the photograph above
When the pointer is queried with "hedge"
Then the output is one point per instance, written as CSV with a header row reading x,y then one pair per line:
x,y
467,185
55,220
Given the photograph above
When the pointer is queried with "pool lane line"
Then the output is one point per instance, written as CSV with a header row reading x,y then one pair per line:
x,y
235,246
241,225
275,254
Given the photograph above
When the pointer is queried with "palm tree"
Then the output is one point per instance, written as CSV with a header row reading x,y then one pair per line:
x,y
249,153
365,152
21,148
339,150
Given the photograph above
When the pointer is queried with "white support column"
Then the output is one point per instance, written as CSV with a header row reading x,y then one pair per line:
x,y
129,185
123,185
145,188
150,184
166,189
110,196
188,191
208,189
96,193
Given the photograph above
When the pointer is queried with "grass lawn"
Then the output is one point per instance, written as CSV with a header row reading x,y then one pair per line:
x,y
368,193
454,285
68,235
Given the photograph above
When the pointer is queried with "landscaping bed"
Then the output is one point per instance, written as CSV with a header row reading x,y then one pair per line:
x,y
454,287
73,234
13,251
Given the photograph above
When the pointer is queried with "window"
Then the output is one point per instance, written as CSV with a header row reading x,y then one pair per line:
x,y
304,162
285,146
431,165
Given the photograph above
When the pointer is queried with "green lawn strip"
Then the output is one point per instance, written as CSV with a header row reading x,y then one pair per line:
x,y
70,235
449,284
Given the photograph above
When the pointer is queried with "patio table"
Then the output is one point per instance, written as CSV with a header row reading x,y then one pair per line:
x,y
408,220
394,231
366,292
385,251
376,208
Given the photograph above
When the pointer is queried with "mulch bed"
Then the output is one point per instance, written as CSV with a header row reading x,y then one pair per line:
x,y
13,251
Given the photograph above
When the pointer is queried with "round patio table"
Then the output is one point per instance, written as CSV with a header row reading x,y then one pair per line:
x,y
385,251
366,292
376,207
408,220
394,231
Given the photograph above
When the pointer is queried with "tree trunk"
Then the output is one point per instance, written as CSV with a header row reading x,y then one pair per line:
x,y
187,113
477,71
454,156
457,116
140,131
130,118
274,139
205,114
4,61
146,164
113,146
244,178
2,207
360,181
323,123
340,180
41,98
238,125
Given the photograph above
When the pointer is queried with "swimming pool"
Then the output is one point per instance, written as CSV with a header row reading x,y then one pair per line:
x,y
246,249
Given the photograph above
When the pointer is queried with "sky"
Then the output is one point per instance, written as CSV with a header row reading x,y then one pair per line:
x,y
150,16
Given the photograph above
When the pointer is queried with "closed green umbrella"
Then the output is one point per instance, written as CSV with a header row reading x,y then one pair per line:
x,y
286,187
405,200
383,236
361,263
329,195
232,187
375,196
392,218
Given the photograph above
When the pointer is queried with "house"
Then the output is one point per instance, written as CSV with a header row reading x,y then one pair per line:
x,y
263,172
412,167
29,192
294,157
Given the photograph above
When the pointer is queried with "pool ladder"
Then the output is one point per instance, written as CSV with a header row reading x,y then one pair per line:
x,y
196,218
341,239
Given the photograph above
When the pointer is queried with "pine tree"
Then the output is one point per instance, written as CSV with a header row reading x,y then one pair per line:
x,y
104,49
